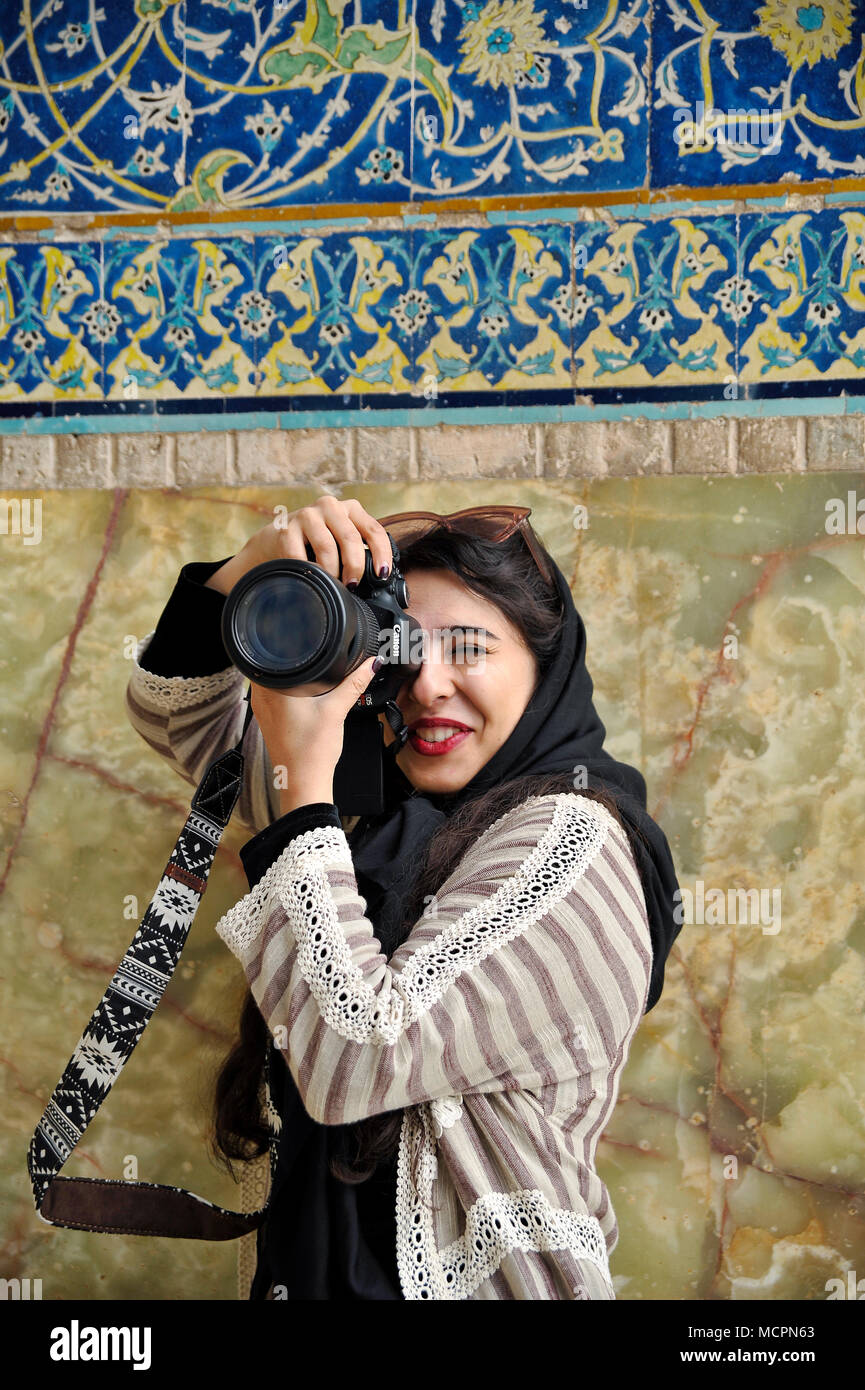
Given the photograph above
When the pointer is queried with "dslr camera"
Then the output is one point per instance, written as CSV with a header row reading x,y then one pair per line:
x,y
289,625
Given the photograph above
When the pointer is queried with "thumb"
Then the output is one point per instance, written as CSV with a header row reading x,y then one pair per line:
x,y
364,673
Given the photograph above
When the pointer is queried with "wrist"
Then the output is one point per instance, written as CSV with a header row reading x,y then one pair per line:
x,y
224,579
313,790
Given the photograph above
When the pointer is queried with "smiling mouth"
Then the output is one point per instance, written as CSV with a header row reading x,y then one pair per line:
x,y
433,740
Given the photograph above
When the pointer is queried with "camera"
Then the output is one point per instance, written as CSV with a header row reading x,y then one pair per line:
x,y
288,624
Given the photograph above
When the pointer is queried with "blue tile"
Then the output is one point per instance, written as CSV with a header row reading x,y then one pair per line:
x,y
806,277
302,125
694,310
200,105
495,308
652,302
56,321
757,93
120,119
539,98
339,325
188,313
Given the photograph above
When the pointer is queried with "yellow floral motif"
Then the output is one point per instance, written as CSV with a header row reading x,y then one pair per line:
x,y
805,33
501,39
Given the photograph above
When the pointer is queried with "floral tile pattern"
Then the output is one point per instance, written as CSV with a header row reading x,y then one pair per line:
x,y
548,96
178,105
185,316
328,320
498,308
337,314
748,92
656,302
181,108
53,321
183,105
802,297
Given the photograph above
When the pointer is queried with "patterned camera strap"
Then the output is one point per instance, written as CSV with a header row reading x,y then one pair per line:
x,y
117,1205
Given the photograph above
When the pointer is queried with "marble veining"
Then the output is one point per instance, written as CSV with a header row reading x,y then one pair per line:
x,y
725,638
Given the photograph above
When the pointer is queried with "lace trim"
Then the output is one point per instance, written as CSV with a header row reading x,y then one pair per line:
x,y
496,1224
180,692
420,1271
545,876
348,1004
499,1222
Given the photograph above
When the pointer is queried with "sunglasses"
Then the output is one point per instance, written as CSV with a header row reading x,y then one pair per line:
x,y
488,523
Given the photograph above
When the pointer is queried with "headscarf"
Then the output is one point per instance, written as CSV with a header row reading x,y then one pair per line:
x,y
313,1239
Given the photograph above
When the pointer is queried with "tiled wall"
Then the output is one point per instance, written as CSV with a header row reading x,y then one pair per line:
x,y
175,105
323,211
752,306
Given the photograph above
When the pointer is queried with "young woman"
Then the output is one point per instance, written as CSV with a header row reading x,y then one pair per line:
x,y
446,992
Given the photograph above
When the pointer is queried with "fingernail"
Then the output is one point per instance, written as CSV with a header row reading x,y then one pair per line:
x,y
377,664
384,571
352,584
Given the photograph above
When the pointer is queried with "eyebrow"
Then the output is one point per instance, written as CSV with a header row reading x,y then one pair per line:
x,y
461,627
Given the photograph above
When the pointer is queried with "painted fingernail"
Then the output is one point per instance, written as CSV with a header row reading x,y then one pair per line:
x,y
377,664
384,571
352,584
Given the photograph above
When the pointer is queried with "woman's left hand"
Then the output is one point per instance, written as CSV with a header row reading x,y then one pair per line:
x,y
304,735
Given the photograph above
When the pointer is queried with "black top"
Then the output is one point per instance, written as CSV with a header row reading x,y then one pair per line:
x,y
356,1257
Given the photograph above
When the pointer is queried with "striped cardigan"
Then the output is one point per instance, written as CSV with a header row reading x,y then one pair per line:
x,y
499,1027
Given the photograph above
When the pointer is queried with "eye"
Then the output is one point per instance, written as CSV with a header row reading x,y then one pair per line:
x,y
467,645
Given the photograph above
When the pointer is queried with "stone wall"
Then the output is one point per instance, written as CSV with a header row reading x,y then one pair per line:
x,y
335,458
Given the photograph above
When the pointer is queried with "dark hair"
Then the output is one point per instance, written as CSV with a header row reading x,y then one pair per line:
x,y
505,574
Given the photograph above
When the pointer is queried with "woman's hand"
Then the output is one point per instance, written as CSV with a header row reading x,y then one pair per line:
x,y
331,527
304,735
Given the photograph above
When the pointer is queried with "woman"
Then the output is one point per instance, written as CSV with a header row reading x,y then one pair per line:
x,y
447,995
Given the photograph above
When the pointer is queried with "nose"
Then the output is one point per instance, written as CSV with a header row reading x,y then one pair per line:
x,y
434,680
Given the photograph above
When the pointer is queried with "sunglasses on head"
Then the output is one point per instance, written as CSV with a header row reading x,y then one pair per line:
x,y
487,523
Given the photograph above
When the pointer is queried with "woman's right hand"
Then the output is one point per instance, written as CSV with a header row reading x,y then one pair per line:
x,y
331,527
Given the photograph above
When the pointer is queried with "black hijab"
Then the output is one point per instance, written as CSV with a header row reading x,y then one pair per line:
x,y
312,1241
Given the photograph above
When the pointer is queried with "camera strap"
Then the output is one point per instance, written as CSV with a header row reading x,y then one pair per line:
x,y
393,715
123,1206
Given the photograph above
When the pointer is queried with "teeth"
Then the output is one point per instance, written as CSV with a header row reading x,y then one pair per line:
x,y
436,733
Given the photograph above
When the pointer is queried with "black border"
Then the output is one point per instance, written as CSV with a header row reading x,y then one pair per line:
x,y
417,406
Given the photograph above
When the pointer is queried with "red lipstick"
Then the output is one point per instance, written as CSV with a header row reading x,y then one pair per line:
x,y
433,750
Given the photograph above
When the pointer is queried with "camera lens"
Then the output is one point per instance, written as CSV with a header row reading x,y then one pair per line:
x,y
262,629
288,624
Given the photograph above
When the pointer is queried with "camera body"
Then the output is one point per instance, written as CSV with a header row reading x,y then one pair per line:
x,y
289,625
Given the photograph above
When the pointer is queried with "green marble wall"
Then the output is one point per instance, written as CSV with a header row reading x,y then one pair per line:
x,y
736,1155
